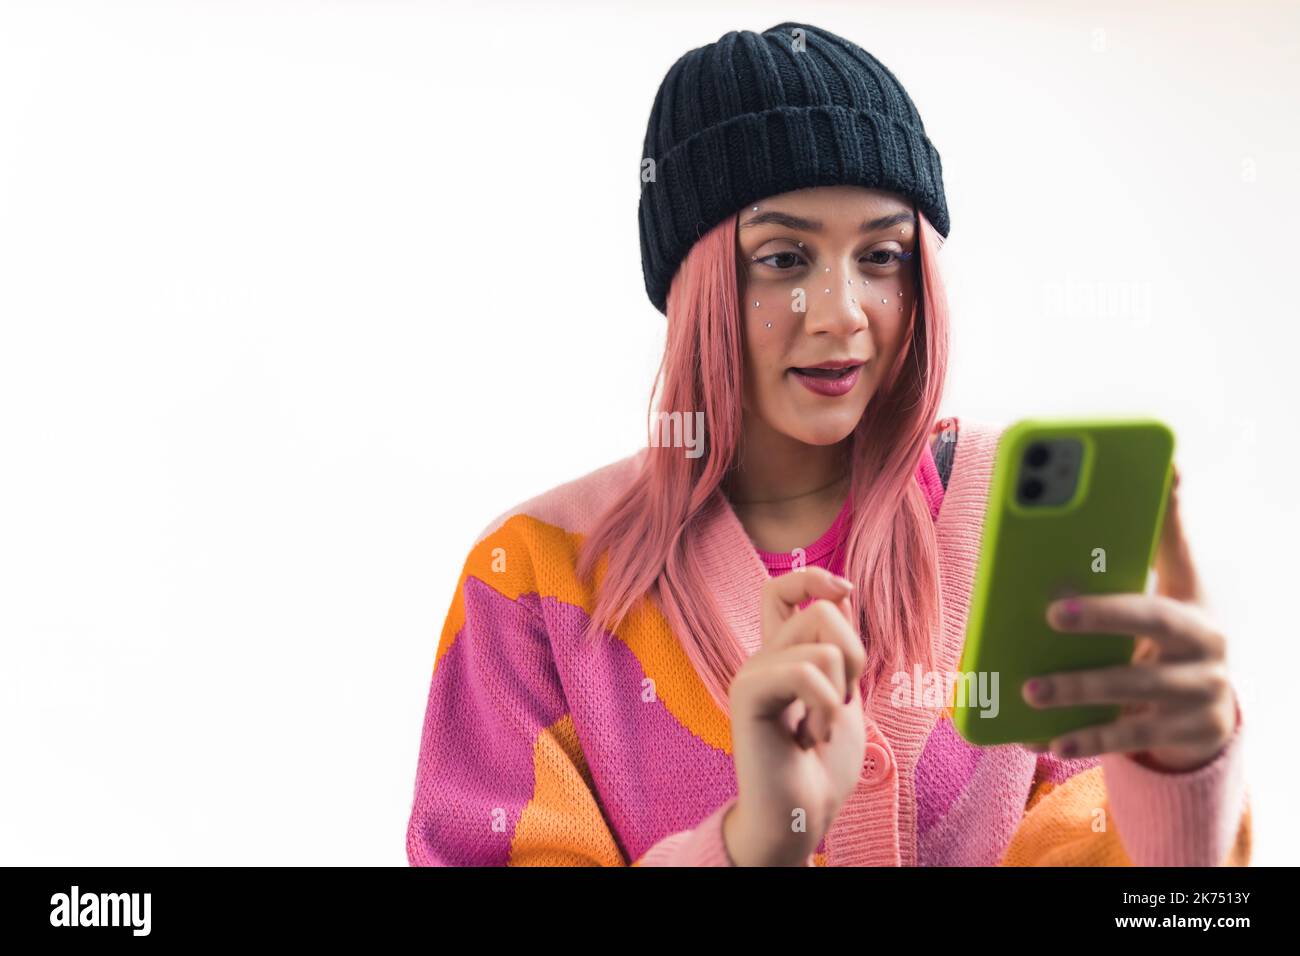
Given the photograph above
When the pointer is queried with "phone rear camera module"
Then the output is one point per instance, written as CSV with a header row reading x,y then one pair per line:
x,y
1049,472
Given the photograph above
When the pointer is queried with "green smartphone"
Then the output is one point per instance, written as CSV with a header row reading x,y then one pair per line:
x,y
1075,507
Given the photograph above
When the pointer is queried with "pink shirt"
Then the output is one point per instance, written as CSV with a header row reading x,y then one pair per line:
x,y
827,551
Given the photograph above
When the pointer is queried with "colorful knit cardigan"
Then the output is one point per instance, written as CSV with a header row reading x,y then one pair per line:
x,y
538,751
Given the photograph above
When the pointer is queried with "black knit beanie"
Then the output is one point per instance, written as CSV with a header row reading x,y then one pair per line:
x,y
755,115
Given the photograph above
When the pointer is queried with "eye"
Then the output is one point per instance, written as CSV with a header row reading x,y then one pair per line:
x,y
790,258
892,257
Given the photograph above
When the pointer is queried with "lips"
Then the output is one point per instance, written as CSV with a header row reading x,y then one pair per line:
x,y
819,371
829,382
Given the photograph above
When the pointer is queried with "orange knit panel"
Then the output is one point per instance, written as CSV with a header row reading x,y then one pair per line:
x,y
527,556
1058,828
562,824
1239,855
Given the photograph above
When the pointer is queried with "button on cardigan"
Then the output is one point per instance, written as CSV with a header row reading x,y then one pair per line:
x,y
536,750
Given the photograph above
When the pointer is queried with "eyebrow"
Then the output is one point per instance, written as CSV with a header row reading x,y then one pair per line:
x,y
814,225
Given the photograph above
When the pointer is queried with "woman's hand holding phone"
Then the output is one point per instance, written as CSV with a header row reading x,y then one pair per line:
x,y
1179,704
796,721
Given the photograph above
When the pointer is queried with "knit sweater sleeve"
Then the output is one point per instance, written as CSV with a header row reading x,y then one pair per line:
x,y
702,845
501,778
1113,810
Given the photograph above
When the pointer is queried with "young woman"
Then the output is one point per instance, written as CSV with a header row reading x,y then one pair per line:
x,y
630,674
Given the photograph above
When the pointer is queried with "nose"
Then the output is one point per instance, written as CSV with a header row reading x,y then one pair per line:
x,y
834,303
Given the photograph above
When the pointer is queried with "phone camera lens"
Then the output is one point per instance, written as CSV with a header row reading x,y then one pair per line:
x,y
1031,490
1037,455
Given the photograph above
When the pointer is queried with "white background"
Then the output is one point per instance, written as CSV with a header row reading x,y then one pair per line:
x,y
296,297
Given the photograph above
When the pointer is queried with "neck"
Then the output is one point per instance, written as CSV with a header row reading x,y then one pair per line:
x,y
775,472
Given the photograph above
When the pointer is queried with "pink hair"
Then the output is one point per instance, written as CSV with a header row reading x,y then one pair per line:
x,y
891,554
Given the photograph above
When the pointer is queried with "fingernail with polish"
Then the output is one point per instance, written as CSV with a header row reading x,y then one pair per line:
x,y
1067,611
1040,690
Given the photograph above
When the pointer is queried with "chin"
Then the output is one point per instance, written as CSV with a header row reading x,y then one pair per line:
x,y
828,428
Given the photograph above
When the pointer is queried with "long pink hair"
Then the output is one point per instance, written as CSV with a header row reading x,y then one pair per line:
x,y
890,554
